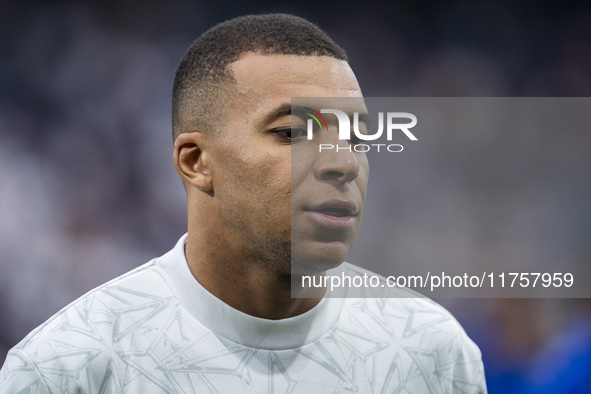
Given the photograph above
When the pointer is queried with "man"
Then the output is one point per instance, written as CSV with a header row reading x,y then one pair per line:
x,y
216,313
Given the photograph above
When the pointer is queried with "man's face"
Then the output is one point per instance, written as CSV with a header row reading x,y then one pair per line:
x,y
274,192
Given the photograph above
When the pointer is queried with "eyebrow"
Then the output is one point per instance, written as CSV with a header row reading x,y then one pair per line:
x,y
286,109
279,112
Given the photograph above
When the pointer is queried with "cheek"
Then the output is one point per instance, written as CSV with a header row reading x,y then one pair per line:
x,y
303,160
276,178
258,183
363,177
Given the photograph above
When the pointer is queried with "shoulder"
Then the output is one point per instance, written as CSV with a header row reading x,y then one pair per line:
x,y
83,336
104,306
417,329
401,311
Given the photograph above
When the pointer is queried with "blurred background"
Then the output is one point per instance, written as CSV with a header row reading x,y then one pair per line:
x,y
88,190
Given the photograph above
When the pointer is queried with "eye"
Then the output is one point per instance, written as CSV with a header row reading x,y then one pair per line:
x,y
292,134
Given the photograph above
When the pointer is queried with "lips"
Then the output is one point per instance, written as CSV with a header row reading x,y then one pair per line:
x,y
335,214
336,208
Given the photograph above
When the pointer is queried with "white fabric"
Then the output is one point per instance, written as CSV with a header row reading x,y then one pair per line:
x,y
157,330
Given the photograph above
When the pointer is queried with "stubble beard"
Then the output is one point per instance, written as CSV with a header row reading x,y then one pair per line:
x,y
273,256
277,257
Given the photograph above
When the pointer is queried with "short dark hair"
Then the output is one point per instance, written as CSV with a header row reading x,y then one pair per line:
x,y
202,76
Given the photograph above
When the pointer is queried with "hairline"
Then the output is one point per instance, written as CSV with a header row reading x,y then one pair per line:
x,y
229,83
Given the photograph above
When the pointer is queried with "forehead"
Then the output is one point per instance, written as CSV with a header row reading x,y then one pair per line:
x,y
272,79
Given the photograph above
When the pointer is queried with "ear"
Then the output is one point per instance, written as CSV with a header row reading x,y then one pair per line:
x,y
191,161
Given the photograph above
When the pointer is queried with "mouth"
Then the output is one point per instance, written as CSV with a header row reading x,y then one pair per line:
x,y
337,208
334,214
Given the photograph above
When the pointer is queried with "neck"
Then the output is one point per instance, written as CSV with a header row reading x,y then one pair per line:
x,y
242,280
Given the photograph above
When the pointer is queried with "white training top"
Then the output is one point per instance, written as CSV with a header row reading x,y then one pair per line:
x,y
157,330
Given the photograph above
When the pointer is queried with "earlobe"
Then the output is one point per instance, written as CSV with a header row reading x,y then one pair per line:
x,y
190,159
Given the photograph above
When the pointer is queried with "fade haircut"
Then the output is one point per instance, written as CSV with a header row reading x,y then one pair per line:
x,y
203,83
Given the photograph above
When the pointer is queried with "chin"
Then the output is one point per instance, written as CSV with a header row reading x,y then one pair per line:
x,y
315,260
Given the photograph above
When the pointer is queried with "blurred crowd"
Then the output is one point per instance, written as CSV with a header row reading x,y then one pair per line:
x,y
88,190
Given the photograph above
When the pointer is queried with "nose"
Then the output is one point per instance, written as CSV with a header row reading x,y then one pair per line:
x,y
339,165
